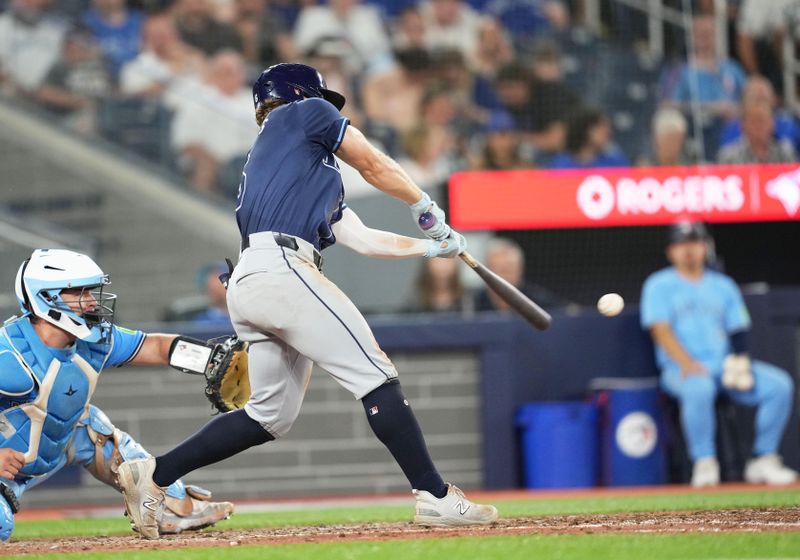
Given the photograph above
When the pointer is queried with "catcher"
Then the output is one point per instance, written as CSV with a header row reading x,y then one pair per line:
x,y
50,360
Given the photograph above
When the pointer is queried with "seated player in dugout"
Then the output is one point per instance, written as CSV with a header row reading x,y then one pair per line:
x,y
700,324
50,360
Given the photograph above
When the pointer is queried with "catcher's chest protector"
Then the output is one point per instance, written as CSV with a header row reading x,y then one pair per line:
x,y
41,422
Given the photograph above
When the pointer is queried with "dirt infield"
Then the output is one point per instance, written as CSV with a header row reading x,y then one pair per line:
x,y
716,521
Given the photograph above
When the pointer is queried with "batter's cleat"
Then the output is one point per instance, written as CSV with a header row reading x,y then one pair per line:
x,y
195,511
144,499
454,510
769,469
705,472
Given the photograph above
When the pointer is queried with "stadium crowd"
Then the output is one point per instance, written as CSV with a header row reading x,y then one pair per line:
x,y
440,84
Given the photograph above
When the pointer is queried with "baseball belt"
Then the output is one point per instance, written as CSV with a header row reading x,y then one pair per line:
x,y
289,242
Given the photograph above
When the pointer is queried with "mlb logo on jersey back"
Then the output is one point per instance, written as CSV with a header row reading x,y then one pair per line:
x,y
373,411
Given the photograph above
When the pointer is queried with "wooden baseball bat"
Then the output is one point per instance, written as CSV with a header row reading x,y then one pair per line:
x,y
518,301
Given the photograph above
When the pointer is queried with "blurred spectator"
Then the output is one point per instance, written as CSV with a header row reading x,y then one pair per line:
x,y
450,24
166,66
409,31
357,23
439,288
506,259
669,138
513,87
215,124
554,102
526,19
427,157
502,148
31,39
329,55
758,143
708,78
76,82
700,326
195,22
492,51
759,89
263,33
759,36
116,29
393,99
216,309
589,143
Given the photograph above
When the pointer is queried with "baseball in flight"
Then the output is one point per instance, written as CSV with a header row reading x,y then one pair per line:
x,y
610,305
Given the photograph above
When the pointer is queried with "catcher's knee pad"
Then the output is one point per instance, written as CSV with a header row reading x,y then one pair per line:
x,y
6,520
101,447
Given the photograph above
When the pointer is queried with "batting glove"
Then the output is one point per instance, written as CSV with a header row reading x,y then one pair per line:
x,y
449,248
439,230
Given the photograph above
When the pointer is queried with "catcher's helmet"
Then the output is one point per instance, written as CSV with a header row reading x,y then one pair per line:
x,y
42,277
293,82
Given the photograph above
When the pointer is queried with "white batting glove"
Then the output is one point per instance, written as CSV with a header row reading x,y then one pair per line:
x,y
737,372
449,248
439,230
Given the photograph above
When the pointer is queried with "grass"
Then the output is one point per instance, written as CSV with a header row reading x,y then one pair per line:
x,y
552,547
594,546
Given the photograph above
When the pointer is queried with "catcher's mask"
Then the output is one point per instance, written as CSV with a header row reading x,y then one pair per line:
x,y
47,274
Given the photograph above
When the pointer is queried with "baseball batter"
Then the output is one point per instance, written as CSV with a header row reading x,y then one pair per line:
x,y
291,207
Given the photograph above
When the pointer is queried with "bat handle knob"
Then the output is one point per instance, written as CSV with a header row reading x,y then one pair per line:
x,y
426,221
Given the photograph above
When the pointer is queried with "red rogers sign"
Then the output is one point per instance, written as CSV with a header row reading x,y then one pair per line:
x,y
623,196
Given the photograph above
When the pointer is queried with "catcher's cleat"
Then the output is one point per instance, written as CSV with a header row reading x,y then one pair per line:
x,y
144,499
454,510
194,511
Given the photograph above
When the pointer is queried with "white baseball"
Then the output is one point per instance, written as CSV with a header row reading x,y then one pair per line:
x,y
610,305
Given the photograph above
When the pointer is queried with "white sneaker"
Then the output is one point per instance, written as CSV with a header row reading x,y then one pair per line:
x,y
144,499
454,510
705,472
769,469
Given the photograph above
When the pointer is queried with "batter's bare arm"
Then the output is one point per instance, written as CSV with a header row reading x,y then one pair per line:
x,y
377,168
664,337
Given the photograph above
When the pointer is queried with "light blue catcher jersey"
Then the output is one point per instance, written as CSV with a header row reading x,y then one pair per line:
x,y
45,391
702,313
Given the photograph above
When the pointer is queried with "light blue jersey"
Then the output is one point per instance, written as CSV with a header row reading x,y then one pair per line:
x,y
702,314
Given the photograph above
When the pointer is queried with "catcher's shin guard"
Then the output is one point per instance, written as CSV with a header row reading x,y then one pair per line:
x,y
102,448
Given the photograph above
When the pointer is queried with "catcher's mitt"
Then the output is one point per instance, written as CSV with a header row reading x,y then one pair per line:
x,y
227,381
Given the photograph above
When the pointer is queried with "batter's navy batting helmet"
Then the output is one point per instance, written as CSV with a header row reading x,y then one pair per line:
x,y
293,82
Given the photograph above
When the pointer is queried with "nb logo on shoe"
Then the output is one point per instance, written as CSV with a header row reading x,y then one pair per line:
x,y
461,507
150,502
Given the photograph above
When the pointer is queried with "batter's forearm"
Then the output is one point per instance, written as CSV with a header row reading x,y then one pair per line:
x,y
390,178
351,232
377,168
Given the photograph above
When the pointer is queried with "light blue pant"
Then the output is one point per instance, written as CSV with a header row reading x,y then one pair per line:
x,y
84,454
772,394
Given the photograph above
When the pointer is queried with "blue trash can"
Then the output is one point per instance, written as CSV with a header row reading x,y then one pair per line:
x,y
559,444
633,446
